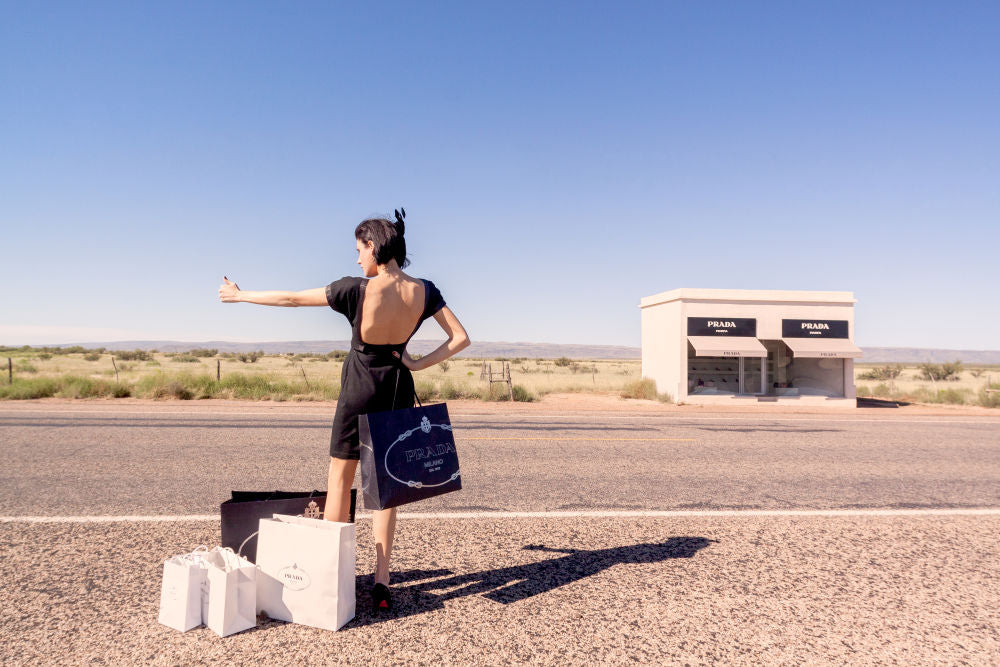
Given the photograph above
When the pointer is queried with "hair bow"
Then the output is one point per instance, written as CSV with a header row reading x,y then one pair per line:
x,y
399,217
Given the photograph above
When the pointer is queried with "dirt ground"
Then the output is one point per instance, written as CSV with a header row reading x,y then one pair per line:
x,y
568,402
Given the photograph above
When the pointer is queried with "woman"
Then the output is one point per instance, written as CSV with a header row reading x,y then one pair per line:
x,y
384,312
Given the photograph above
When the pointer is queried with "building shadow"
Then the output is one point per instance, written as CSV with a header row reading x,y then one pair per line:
x,y
420,591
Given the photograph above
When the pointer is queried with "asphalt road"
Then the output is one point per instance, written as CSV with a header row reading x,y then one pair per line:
x,y
493,589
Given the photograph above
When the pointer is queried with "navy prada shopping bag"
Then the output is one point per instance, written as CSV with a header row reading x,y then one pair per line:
x,y
407,455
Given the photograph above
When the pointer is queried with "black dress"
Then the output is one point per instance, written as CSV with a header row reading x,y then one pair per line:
x,y
368,380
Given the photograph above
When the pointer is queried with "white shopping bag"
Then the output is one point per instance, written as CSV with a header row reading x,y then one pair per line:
x,y
231,604
184,578
306,571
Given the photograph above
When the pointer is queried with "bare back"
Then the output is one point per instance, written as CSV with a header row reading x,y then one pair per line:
x,y
391,309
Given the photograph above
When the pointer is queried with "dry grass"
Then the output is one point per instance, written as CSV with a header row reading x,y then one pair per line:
x,y
297,377
317,377
968,388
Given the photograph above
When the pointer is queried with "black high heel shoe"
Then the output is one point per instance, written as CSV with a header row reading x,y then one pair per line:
x,y
381,597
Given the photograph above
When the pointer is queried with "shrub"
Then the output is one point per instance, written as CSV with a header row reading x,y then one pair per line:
x,y
75,386
249,357
665,397
203,352
521,394
187,358
990,399
425,390
92,356
563,361
951,396
881,390
890,372
863,390
449,392
173,390
337,354
25,367
44,356
947,372
496,392
444,366
29,388
643,388
132,355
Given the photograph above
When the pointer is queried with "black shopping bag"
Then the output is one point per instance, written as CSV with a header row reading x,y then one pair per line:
x,y
242,513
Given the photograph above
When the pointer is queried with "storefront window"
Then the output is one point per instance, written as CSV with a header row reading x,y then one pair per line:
x,y
817,377
724,375
713,375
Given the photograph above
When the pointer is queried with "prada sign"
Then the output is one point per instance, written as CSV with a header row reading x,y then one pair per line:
x,y
722,326
814,328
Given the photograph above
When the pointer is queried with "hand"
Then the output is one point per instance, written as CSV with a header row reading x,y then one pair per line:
x,y
410,362
229,292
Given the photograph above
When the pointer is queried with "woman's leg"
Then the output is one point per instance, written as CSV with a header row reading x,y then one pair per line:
x,y
338,489
384,527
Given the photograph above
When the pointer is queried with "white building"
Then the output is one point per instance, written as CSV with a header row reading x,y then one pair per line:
x,y
737,347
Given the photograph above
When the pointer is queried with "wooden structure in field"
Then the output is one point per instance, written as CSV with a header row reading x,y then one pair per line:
x,y
502,375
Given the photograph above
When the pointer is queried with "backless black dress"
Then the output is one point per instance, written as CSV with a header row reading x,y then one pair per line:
x,y
368,380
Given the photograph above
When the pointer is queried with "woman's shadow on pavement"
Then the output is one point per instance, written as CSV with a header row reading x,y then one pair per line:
x,y
413,591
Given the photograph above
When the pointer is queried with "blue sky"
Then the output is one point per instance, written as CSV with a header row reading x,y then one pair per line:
x,y
558,161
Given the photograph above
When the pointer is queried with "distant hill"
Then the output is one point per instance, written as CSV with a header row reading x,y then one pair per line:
x,y
919,355
492,350
475,350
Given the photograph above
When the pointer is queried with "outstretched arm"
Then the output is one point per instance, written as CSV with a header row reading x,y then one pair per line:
x,y
229,292
457,341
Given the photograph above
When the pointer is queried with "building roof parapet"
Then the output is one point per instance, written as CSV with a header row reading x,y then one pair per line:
x,y
748,295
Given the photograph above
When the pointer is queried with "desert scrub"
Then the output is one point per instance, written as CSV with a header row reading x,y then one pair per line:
x,y
91,356
258,387
75,386
498,392
890,372
28,388
522,395
948,396
187,359
644,388
24,366
426,390
132,355
990,399
448,391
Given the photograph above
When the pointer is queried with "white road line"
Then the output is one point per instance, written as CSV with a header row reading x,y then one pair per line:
x,y
597,514
505,418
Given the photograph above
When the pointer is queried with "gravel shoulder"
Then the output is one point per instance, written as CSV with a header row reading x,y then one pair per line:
x,y
775,590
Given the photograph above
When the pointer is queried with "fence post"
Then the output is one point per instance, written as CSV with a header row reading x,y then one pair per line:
x,y
116,367
218,370
10,372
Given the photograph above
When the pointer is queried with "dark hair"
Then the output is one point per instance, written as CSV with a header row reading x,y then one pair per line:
x,y
387,237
